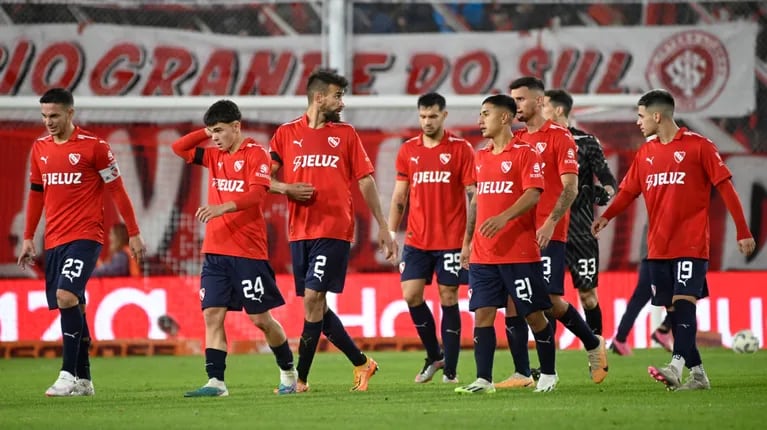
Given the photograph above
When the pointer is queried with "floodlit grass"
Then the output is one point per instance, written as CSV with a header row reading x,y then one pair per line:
x,y
147,393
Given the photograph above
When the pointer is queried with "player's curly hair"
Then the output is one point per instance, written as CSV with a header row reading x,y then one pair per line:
x,y
225,111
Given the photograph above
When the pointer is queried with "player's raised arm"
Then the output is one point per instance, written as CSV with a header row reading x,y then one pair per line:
x,y
186,147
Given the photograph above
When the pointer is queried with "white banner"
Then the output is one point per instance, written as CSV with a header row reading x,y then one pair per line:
x,y
709,69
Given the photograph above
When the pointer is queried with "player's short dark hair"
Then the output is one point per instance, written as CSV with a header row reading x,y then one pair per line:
x,y
225,111
560,98
59,96
657,98
531,82
432,99
502,101
321,79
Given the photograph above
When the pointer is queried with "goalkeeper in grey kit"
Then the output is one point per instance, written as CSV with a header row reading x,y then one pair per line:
x,y
582,255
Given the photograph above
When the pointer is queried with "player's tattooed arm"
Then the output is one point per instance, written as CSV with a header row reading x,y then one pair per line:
x,y
566,198
399,200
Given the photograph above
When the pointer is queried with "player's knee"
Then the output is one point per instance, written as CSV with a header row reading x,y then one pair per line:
x,y
263,321
537,321
448,296
66,299
214,318
558,306
484,317
412,293
588,298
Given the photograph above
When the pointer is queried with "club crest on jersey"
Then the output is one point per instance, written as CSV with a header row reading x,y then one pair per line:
x,y
220,164
540,146
505,166
444,158
74,158
679,156
238,165
334,141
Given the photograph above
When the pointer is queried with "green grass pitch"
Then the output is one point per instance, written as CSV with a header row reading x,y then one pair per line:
x,y
147,393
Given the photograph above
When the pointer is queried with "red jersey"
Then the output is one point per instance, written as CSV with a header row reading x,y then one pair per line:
x,y
241,233
675,180
330,158
560,156
501,180
73,175
437,178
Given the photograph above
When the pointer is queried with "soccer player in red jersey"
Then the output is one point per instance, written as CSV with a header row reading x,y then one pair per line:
x,y
674,171
319,150
560,171
71,171
502,255
235,273
435,172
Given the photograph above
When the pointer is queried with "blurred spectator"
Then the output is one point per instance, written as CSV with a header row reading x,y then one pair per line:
x,y
119,261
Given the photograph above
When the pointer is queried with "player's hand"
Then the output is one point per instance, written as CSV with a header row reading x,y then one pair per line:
x,y
598,225
27,254
137,248
465,254
492,225
388,246
207,213
299,191
746,246
208,132
543,235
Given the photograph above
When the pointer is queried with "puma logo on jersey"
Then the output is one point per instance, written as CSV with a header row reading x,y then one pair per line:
x,y
299,143
414,159
229,185
315,160
431,177
44,160
58,178
495,187
649,160
665,178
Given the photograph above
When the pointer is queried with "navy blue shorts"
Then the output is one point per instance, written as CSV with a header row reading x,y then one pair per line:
x,y
553,259
320,264
419,264
678,277
68,267
238,282
490,285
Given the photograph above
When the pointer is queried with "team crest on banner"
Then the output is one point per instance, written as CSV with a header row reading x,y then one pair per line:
x,y
74,158
334,141
238,165
444,158
505,166
679,156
